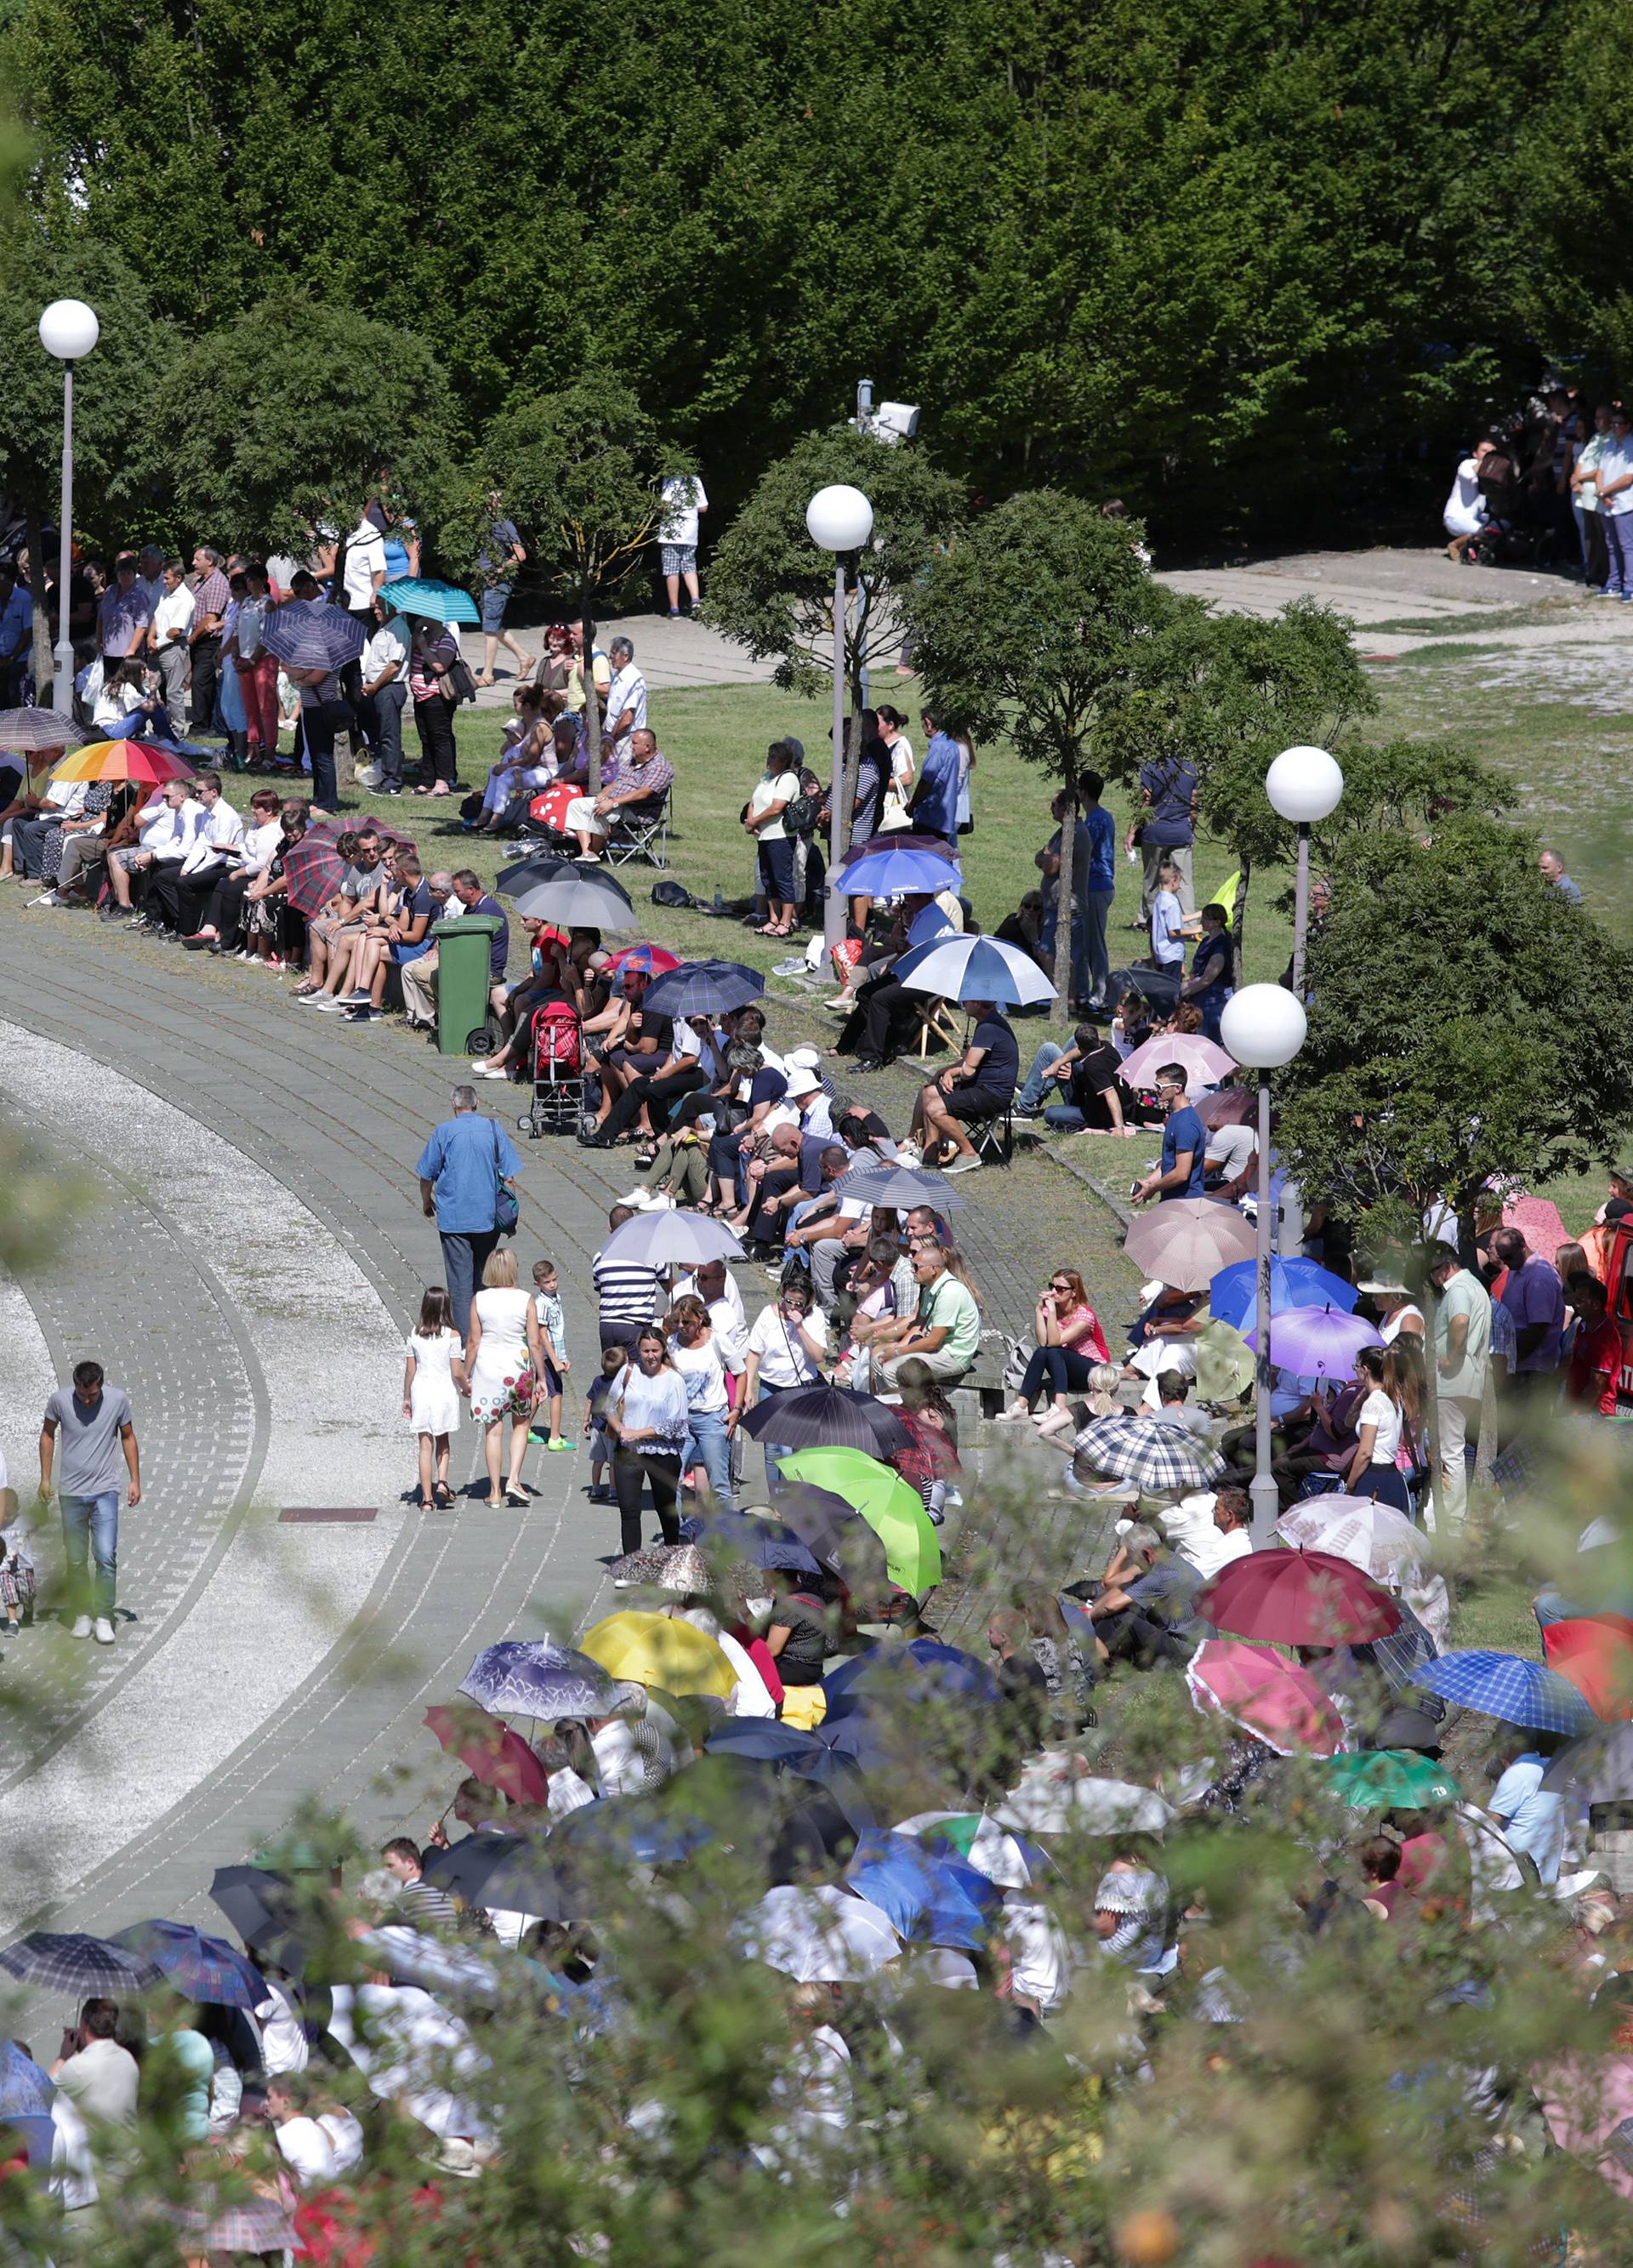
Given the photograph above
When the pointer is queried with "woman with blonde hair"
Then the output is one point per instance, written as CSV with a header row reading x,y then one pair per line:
x,y
1379,1430
503,1371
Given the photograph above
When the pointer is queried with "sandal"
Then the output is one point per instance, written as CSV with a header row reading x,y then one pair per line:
x,y
442,1496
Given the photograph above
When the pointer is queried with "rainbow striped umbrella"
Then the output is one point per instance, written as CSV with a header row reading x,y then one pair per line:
x,y
152,763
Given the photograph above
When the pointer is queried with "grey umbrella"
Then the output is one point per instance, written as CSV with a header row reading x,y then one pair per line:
x,y
899,1186
1598,1768
575,897
32,729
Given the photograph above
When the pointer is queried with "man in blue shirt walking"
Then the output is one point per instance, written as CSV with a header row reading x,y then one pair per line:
x,y
460,1168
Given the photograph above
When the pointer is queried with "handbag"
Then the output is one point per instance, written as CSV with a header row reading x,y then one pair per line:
x,y
506,1212
458,683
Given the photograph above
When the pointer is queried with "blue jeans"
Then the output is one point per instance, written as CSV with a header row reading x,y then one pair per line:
x,y
1038,1082
707,1445
1619,543
1090,962
92,1521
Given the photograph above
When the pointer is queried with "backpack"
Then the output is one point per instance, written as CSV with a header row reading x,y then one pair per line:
x,y
673,894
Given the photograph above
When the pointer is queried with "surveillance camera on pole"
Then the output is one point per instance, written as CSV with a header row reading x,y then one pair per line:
x,y
890,422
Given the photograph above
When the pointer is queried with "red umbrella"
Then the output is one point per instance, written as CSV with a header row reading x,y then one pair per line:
x,y
1299,1598
549,809
1596,1653
315,871
647,959
1228,1106
491,1752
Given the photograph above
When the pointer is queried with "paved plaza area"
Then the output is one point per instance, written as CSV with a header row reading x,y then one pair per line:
x,y
249,1260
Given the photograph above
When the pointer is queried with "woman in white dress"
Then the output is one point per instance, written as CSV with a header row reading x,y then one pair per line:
x,y
903,769
504,1365
433,1379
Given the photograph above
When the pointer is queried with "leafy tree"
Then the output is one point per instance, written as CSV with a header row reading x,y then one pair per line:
x,y
579,470
113,388
1032,624
279,420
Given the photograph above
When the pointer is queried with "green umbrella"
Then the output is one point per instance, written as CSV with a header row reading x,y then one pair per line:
x,y
1225,1363
892,1508
1391,1779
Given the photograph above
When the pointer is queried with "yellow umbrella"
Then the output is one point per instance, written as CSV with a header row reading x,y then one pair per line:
x,y
652,1650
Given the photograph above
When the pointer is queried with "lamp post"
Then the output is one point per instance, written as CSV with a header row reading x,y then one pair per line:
x,y
1303,784
1263,1027
838,520
68,329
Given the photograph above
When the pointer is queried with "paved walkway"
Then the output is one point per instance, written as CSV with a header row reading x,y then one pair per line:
x,y
672,656
254,1260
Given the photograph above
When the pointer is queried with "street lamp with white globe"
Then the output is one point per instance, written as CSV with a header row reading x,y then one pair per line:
x,y
1304,785
1263,1027
68,329
839,520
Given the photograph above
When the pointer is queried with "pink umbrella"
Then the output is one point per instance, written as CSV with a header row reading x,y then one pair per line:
x,y
1266,1694
1203,1061
490,1751
1585,2098
646,959
1539,1222
1187,1241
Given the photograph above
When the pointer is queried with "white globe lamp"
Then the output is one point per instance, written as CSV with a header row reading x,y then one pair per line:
x,y
1263,1027
1304,784
839,518
69,330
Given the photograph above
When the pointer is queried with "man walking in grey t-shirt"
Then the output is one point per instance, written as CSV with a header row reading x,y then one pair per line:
x,y
95,1425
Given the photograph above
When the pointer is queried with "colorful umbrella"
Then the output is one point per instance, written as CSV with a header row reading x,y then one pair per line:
x,y
1223,1367
26,2090
25,732
826,1417
257,2223
1202,1060
69,1962
531,1678
1006,1859
1266,1694
309,634
1187,1241
652,1650
432,601
315,871
821,1936
1596,1653
928,1897
1391,1779
1298,1598
1371,1535
150,764
892,1508
1158,1459
902,1187
958,968
202,1968
1510,1687
491,1752
644,961
1316,1341
671,1239
1233,1294
678,1567
894,871
704,987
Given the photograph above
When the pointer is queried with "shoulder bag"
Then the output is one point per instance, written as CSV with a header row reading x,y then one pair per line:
x,y
506,1212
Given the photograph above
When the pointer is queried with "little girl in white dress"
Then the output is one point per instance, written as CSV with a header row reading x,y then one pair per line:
x,y
432,1381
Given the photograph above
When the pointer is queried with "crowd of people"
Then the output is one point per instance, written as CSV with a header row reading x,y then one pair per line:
x,y
1551,485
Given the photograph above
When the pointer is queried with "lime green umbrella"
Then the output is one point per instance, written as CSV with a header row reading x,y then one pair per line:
x,y
892,1508
1391,1779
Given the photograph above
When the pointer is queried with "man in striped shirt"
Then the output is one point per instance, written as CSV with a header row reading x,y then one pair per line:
x,y
421,1901
627,1290
211,598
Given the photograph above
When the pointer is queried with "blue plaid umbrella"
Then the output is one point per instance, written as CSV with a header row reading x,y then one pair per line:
x,y
889,874
437,602
26,2091
69,1962
205,1969
931,1897
531,1677
973,969
704,987
306,634
1233,1295
1508,1686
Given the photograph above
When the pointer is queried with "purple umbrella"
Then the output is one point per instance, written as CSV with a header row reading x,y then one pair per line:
x,y
306,634
1317,1342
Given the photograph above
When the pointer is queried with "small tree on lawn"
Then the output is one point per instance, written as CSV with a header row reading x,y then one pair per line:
x,y
770,588
1032,624
579,471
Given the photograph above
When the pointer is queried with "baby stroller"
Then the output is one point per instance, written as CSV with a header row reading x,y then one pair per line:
x,y
559,1056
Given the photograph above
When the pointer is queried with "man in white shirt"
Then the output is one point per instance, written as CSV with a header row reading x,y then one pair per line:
x,y
626,698
1212,1542
177,893
1462,1335
167,830
385,668
1613,477
305,2147
167,642
684,500
364,570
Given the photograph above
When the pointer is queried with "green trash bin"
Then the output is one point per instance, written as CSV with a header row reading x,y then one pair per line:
x,y
466,1025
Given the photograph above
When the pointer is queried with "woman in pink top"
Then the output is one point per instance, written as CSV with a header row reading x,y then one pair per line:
x,y
1070,1342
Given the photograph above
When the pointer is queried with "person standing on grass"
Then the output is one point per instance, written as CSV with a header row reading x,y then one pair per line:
x,y
97,1429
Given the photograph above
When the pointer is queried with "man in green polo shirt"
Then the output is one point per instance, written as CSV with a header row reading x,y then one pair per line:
x,y
944,1333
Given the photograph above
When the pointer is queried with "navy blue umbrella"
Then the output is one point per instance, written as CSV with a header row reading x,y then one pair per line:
x,y
761,1542
704,987
205,1969
306,634
765,1738
929,1896
532,1677
26,2091
924,1663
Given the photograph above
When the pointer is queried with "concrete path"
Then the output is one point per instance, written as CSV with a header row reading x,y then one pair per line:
x,y
672,656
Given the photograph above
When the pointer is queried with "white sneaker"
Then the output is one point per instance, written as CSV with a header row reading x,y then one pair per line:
x,y
82,1628
104,1630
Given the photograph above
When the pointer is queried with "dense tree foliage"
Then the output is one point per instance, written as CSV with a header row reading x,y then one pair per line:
x,y
1226,261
